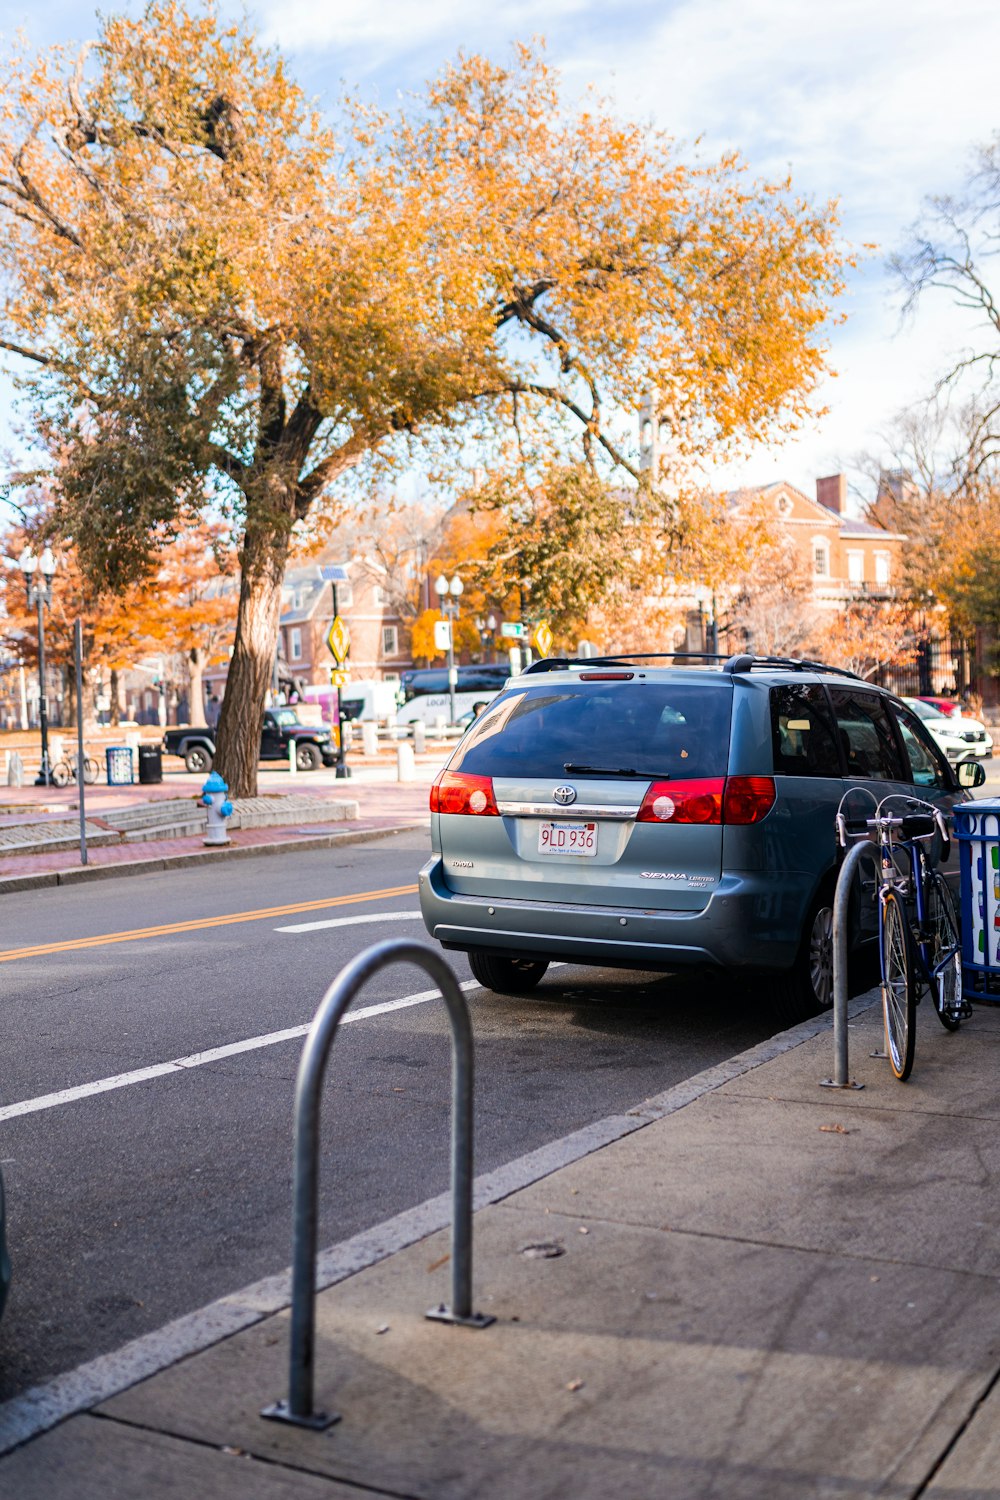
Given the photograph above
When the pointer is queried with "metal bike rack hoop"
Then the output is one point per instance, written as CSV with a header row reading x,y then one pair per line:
x,y
841,900
299,1408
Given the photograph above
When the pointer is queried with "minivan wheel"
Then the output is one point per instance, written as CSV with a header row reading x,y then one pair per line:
x,y
508,976
807,988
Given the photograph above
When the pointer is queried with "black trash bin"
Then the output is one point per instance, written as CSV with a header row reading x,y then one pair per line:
x,y
150,764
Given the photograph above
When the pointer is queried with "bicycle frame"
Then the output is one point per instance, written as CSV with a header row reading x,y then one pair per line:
x,y
912,952
884,830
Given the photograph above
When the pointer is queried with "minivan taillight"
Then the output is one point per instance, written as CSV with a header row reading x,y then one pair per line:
x,y
747,799
716,799
683,801
458,792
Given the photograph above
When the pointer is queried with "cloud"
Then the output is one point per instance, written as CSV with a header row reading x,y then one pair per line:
x,y
876,102
396,29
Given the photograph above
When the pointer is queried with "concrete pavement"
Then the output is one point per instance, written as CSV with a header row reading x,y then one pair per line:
x,y
746,1287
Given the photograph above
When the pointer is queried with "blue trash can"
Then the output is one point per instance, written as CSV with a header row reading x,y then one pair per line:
x,y
119,762
977,831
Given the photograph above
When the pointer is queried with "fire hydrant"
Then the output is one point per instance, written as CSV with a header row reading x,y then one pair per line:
x,y
215,796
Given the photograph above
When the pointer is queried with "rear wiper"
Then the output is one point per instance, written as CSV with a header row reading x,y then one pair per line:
x,y
580,770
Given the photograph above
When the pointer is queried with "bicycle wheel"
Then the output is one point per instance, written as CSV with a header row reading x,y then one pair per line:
x,y
91,771
945,950
60,774
898,985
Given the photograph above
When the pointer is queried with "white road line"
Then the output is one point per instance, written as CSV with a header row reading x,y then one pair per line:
x,y
378,916
202,1059
40,1408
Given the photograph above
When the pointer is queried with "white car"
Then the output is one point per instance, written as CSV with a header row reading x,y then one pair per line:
x,y
960,739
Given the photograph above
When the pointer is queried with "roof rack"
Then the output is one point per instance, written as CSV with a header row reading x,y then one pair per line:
x,y
620,659
741,662
790,663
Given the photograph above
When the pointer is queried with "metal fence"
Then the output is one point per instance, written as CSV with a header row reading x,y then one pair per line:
x,y
950,665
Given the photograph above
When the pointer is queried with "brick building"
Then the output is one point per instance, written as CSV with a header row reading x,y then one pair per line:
x,y
843,557
379,636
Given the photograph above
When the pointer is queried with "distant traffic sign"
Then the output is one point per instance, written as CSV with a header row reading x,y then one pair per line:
x,y
442,635
542,639
338,677
338,641
514,630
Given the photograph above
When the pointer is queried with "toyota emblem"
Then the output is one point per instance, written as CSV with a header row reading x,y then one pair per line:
x,y
564,795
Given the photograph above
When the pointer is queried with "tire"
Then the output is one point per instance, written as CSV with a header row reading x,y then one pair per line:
x,y
942,926
307,757
507,976
60,774
91,771
806,989
899,989
197,759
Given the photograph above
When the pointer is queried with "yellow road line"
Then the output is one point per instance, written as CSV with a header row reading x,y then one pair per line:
x,y
169,928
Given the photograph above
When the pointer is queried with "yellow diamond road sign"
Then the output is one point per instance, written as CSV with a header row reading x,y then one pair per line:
x,y
338,679
339,640
542,639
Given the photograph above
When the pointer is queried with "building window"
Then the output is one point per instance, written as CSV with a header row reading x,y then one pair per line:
x,y
882,567
856,567
378,595
390,640
345,596
295,644
821,558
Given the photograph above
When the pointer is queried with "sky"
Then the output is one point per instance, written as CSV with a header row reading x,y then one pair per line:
x,y
876,103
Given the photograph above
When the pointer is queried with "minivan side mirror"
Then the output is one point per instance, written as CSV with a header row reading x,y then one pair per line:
x,y
970,773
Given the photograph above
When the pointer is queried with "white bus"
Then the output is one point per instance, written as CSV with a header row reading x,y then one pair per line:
x,y
426,695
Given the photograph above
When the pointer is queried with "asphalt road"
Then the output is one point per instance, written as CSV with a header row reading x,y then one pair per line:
x,y
132,1205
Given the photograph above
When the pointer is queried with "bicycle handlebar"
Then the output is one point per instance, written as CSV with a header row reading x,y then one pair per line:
x,y
911,827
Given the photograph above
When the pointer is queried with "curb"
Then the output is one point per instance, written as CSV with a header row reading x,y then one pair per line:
x,y
46,878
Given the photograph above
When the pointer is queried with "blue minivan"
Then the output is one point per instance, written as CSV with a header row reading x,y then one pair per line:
x,y
624,812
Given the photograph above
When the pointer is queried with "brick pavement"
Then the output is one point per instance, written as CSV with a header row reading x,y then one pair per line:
x,y
317,821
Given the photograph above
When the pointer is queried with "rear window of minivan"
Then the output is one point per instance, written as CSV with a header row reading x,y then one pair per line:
x,y
648,729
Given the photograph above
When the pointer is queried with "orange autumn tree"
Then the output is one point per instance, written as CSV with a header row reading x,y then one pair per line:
x,y
187,607
215,296
866,636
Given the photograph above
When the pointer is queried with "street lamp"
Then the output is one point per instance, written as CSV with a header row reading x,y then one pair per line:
x,y
449,592
487,630
38,575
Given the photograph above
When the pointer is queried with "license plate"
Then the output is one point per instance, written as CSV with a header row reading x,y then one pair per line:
x,y
567,838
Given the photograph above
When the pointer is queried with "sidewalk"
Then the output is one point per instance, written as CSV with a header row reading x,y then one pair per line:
x,y
39,826
747,1287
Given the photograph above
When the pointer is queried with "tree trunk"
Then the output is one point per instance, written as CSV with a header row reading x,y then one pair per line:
x,y
196,687
237,753
116,705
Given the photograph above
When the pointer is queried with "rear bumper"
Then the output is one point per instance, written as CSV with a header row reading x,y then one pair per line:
x,y
750,922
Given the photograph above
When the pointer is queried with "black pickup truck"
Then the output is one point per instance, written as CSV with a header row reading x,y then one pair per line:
x,y
313,747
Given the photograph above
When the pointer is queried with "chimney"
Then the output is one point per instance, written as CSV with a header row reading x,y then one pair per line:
x,y
832,492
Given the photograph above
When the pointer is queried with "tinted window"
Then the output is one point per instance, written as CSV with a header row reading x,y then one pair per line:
x,y
866,735
803,735
482,679
926,764
655,729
